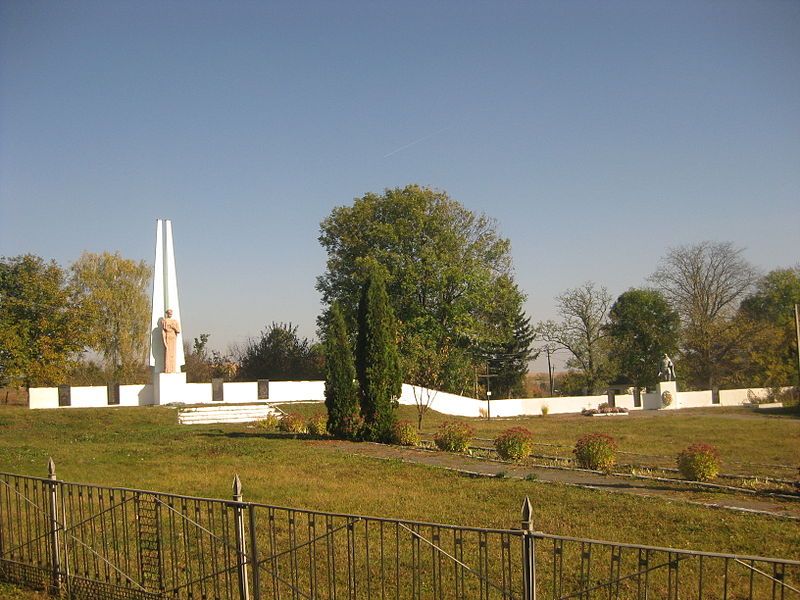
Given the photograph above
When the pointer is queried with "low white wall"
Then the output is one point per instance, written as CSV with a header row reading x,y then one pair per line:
x,y
296,391
43,397
136,395
452,404
244,391
693,399
741,396
87,396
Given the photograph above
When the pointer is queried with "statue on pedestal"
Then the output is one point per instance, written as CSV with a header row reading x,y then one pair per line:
x,y
667,369
170,328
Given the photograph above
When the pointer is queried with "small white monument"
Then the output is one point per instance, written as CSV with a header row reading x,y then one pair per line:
x,y
166,339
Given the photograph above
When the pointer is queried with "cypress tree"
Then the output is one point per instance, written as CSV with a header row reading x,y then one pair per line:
x,y
341,398
377,360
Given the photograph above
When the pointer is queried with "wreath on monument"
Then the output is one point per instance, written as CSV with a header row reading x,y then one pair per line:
x,y
666,398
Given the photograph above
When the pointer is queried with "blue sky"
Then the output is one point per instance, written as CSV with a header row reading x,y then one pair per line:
x,y
597,134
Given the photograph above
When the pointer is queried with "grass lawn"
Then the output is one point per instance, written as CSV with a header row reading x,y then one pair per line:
x,y
146,448
749,442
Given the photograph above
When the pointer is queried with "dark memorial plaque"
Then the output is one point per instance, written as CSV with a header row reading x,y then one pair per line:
x,y
64,395
263,389
217,394
113,394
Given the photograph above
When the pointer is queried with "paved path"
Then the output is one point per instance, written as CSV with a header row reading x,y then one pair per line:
x,y
673,491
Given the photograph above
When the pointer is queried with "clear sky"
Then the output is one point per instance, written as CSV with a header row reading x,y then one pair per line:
x,y
598,134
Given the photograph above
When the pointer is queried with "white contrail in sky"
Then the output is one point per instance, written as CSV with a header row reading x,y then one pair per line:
x,y
422,139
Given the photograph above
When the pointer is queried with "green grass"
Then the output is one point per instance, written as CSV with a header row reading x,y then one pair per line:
x,y
741,434
146,448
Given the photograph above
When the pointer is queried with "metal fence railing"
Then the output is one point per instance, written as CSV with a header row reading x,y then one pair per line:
x,y
87,541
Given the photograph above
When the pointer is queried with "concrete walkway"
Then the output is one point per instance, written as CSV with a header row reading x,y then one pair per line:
x,y
626,485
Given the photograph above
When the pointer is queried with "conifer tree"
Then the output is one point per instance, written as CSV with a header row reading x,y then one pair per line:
x,y
377,359
341,398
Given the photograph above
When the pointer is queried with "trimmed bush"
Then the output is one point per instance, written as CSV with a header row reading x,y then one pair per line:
x,y
405,433
293,423
269,423
545,410
596,451
514,444
453,436
317,425
699,462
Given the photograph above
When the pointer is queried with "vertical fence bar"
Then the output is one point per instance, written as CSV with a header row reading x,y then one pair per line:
x,y
55,561
241,551
254,555
528,552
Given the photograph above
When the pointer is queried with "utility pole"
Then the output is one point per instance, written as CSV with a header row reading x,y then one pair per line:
x,y
488,376
549,350
797,326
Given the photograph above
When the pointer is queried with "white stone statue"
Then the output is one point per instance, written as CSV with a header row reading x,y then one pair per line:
x,y
667,369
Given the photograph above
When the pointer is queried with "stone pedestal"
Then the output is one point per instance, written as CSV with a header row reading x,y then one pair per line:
x,y
672,388
652,400
169,388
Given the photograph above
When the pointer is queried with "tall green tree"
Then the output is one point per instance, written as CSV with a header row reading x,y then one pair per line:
x,y
280,353
770,352
508,362
118,307
643,328
582,332
448,272
341,393
377,360
42,322
705,283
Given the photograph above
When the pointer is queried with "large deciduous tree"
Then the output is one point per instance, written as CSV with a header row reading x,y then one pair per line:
x,y
705,283
770,352
341,393
582,332
448,273
118,307
280,353
377,360
42,322
642,327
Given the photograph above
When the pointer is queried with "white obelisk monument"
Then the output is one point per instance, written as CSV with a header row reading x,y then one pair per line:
x,y
167,387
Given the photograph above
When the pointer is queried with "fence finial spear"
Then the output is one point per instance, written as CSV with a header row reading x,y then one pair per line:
x,y
237,487
527,514
51,468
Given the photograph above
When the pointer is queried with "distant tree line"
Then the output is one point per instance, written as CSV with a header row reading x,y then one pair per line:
x,y
723,323
457,316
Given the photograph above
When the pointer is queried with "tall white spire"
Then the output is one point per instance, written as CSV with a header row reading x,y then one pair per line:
x,y
165,296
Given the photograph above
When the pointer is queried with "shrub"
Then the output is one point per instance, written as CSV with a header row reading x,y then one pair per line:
x,y
293,423
545,410
405,433
666,398
269,423
514,444
317,425
699,462
453,436
596,451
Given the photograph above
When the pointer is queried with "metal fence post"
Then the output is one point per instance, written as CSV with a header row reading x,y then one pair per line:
x,y
528,552
254,554
52,493
241,549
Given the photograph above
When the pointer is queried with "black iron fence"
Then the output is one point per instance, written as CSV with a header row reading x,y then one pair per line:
x,y
87,541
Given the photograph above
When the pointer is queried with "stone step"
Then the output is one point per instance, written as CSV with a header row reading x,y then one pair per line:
x,y
204,415
226,407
